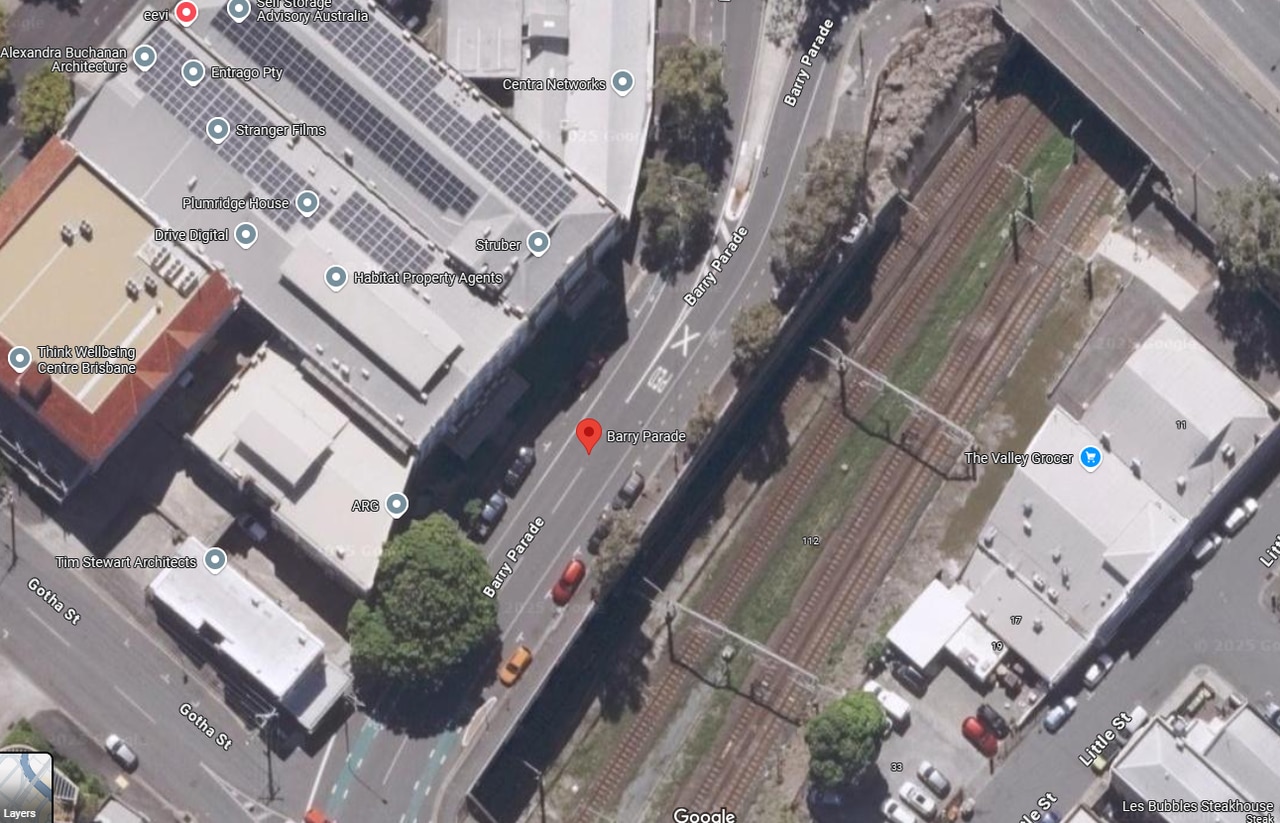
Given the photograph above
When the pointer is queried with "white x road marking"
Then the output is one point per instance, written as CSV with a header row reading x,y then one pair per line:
x,y
683,343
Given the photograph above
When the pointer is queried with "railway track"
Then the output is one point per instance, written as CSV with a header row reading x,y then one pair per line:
x,y
985,350
1008,133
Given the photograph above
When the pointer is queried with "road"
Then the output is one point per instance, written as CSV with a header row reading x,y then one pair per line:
x,y
1222,624
111,676
674,353
1181,104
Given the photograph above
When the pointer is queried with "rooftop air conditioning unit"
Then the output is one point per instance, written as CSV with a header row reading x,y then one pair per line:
x,y
1038,582
1037,625
1027,508
1135,465
86,229
1105,440
68,234
1026,527
1229,453
1056,555
1181,483
1052,594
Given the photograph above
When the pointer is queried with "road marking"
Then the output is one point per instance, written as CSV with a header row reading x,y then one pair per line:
x,y
55,632
659,379
568,488
683,343
392,767
1269,155
134,703
1125,54
320,773
680,321
1162,49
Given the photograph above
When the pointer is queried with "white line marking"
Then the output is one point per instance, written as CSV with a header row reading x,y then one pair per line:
x,y
17,301
568,488
1125,54
1243,172
134,703
55,632
392,767
1269,155
680,321
1156,43
320,773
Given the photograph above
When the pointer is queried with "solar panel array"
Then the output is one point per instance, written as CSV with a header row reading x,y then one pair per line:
x,y
269,44
251,156
407,76
377,235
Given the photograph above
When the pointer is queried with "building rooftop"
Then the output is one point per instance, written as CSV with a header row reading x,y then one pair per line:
x,y
280,429
1156,764
1064,549
1171,377
403,188
929,622
485,38
79,266
1247,751
115,811
252,631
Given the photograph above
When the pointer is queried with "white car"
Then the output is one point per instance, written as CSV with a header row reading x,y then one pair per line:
x,y
894,704
1207,547
934,779
895,812
1060,714
915,797
1098,670
1240,515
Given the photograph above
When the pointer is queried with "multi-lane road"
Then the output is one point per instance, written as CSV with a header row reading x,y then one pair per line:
x,y
1203,110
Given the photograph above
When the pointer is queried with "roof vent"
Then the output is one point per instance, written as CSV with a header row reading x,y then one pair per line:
x,y
192,181
1038,582
68,234
345,371
1066,576
1229,454
1026,527
983,615
341,552
989,536
1027,507
1135,465
131,288
400,419
1105,440
334,363
319,348
1037,625
1052,594
1181,483
1056,555
364,373
535,146
348,155
86,229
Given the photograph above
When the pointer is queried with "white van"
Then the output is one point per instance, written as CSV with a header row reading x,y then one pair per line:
x,y
894,704
1139,719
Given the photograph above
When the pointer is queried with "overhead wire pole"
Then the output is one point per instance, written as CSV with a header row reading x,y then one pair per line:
x,y
960,433
807,677
267,720
1088,262
1028,188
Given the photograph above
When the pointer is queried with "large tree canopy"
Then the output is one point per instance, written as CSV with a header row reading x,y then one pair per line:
x,y
1247,231
823,210
844,740
676,209
45,99
754,330
694,103
427,611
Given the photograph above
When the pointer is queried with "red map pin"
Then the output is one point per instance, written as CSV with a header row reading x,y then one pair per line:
x,y
186,12
589,433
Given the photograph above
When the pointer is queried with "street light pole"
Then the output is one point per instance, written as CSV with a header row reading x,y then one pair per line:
x,y
1075,147
542,792
1195,184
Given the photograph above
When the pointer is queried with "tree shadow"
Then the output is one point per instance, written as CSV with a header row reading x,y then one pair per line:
x,y
1252,325
772,447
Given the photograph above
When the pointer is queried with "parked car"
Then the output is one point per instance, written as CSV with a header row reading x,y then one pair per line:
x,y
1098,670
894,704
1052,817
915,797
994,721
934,779
911,677
490,515
1271,713
630,491
314,815
980,736
1239,516
589,370
515,665
1060,714
603,526
1207,547
895,812
250,526
1138,718
828,798
568,583
120,752
519,470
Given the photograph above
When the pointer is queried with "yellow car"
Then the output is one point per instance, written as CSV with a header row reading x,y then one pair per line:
x,y
510,671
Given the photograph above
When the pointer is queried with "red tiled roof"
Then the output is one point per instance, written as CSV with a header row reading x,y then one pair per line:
x,y
92,434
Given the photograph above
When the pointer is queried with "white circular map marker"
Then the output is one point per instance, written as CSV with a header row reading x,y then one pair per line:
x,y
144,57
214,560
218,129
335,277
539,242
193,72
246,234
623,82
306,202
19,358
396,505
239,10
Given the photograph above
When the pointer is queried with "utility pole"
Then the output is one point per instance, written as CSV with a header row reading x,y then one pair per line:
x,y
542,791
1013,235
842,368
1195,184
11,492
1027,187
1075,146
267,720
1088,262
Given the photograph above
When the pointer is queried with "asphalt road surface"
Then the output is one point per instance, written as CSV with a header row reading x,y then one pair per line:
x,y
1173,99
674,353
1222,624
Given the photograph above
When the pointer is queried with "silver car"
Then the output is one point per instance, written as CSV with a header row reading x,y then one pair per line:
x,y
895,812
120,752
915,797
934,779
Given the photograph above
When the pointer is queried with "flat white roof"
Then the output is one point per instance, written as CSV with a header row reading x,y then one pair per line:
x,y
1155,765
971,646
929,622
272,424
1247,751
259,636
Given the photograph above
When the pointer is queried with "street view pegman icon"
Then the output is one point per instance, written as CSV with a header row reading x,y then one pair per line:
x,y
193,72
19,358
144,57
539,242
623,82
335,277
1090,458
218,129
307,202
215,560
397,504
246,234
239,10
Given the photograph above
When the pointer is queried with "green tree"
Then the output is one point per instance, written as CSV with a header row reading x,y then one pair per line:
x,y
754,329
5,77
844,740
427,611
45,99
675,207
617,550
1247,231
817,215
701,423
694,104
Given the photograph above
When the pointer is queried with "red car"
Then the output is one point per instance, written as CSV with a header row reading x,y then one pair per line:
x,y
568,582
316,816
980,736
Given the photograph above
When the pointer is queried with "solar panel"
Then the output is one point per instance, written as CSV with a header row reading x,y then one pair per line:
x,y
362,222
250,156
269,44
408,77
